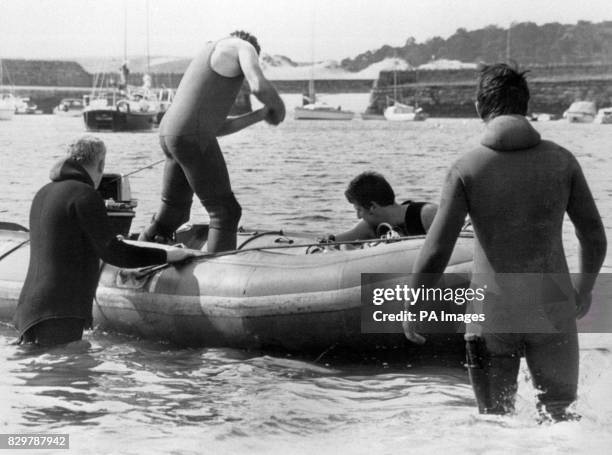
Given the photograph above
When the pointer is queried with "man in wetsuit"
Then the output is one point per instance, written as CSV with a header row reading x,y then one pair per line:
x,y
516,189
69,234
374,202
188,136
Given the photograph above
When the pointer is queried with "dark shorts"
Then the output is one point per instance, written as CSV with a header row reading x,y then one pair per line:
x,y
54,331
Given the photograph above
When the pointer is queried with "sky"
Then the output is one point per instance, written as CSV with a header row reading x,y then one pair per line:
x,y
304,30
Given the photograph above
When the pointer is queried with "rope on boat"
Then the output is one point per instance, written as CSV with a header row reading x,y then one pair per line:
x,y
15,248
325,352
143,273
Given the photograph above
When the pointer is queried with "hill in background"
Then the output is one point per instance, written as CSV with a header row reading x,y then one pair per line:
x,y
527,42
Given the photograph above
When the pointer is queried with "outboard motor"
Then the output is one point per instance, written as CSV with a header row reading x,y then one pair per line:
x,y
115,189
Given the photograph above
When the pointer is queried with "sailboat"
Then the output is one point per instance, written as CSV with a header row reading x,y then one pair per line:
x,y
7,100
121,108
312,109
400,112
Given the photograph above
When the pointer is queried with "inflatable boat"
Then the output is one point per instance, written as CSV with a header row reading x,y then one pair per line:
x,y
277,290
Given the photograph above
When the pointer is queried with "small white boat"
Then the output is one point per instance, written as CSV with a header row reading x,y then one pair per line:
x,y
542,117
69,107
312,109
25,106
604,116
400,112
7,106
165,96
322,111
580,112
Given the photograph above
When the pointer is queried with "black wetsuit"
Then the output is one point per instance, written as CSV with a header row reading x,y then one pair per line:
x,y
516,189
413,221
194,162
69,234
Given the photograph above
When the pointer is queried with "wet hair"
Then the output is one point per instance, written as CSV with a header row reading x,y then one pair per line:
x,y
370,187
248,38
502,90
87,150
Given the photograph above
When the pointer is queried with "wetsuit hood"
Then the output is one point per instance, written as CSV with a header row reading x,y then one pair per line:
x,y
68,169
510,132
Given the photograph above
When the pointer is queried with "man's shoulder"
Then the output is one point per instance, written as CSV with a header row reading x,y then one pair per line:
x,y
75,190
556,148
471,159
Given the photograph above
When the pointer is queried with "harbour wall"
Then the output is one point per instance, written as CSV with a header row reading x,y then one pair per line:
x,y
451,93
444,93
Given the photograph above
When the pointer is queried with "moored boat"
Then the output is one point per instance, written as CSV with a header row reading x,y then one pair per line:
x,y
126,114
69,107
604,116
25,106
322,111
313,109
580,112
7,106
7,99
400,112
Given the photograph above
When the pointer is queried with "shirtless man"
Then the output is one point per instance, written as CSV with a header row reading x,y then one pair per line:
x,y
374,202
188,132
516,189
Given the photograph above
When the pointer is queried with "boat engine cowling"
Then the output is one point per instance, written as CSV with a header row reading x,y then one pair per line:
x,y
117,195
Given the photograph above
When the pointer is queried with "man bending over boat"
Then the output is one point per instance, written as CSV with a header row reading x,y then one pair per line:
x,y
188,136
516,189
69,234
374,202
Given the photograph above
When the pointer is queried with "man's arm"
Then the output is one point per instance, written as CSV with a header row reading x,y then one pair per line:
x,y
91,215
440,241
361,231
235,124
263,90
591,235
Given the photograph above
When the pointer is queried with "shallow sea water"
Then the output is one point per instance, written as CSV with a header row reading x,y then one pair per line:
x,y
116,394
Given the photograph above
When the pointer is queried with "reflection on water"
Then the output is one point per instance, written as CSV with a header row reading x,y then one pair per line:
x,y
115,394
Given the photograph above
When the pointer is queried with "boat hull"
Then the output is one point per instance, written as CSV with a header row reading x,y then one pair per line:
x,y
324,114
580,112
263,297
404,116
73,114
604,116
115,120
579,117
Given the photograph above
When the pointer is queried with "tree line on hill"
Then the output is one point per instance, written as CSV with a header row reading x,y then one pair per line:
x,y
525,42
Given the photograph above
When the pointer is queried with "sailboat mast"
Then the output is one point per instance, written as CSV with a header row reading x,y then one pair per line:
x,y
395,83
148,50
125,26
311,85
